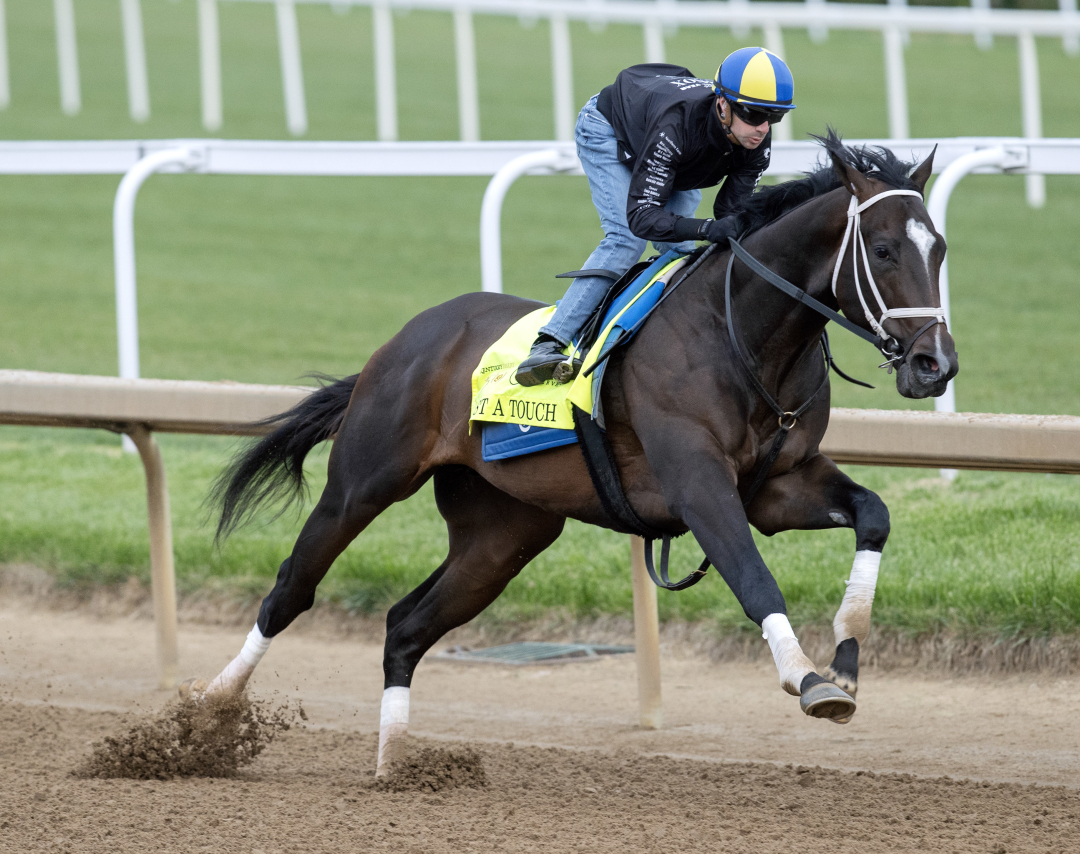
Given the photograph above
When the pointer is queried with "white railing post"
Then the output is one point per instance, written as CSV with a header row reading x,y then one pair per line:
x,y
491,209
67,56
896,83
774,42
646,639
739,28
162,566
1031,108
597,21
562,78
664,7
1070,42
127,314
900,6
654,40
135,60
382,27
5,78
938,206
209,64
817,32
468,92
984,39
292,72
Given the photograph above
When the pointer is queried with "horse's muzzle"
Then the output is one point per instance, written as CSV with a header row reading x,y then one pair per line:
x,y
929,366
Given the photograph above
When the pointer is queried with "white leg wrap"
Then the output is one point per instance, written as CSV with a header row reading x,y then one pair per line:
x,y
393,726
236,674
853,618
791,663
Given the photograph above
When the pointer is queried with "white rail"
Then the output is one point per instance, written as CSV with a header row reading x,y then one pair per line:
x,y
894,20
504,161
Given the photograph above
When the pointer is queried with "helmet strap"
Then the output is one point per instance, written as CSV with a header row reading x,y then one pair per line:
x,y
726,123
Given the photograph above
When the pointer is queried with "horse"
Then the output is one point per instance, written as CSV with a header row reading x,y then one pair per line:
x,y
686,416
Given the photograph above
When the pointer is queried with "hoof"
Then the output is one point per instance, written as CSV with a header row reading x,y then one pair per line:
x,y
391,752
192,688
826,700
844,683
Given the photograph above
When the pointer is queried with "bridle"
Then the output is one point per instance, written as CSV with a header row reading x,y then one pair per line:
x,y
889,346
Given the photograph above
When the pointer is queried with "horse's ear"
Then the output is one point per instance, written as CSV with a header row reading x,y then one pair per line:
x,y
851,178
921,173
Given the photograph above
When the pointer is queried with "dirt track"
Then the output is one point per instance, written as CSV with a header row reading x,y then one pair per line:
x,y
567,769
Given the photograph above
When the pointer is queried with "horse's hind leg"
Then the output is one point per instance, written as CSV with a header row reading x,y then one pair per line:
x,y
362,481
818,495
492,537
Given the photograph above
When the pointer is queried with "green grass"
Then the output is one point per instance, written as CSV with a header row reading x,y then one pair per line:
x,y
264,279
990,554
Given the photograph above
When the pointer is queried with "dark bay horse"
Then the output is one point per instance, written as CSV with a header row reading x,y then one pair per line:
x,y
688,426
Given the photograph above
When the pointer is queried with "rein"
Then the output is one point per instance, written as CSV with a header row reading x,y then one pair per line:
x,y
893,351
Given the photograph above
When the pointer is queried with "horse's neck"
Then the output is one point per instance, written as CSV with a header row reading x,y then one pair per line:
x,y
802,248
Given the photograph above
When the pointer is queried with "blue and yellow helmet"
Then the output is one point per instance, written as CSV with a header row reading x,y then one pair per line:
x,y
754,77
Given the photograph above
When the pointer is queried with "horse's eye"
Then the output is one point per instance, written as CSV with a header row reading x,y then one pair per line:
x,y
881,252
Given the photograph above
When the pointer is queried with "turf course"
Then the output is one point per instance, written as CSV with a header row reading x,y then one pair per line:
x,y
262,280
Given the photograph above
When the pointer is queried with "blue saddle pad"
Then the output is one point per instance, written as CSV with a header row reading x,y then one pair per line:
x,y
503,441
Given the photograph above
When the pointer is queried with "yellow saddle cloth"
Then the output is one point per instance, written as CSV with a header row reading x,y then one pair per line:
x,y
496,395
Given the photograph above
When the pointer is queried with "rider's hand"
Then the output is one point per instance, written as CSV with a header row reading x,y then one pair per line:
x,y
718,230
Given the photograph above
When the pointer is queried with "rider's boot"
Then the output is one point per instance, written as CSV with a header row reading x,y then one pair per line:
x,y
546,361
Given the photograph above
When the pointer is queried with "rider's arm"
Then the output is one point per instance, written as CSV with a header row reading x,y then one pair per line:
x,y
651,185
744,177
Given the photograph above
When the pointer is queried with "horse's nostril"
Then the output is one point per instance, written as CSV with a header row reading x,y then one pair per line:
x,y
927,366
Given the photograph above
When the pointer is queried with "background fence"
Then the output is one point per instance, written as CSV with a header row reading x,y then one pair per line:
x,y
893,21
137,160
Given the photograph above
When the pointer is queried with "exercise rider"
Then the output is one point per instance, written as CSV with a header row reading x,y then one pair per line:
x,y
648,144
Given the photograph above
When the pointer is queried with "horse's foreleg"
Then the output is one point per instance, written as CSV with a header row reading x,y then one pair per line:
x,y
818,495
492,537
700,490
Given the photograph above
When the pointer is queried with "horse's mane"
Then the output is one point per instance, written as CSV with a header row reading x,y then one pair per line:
x,y
770,203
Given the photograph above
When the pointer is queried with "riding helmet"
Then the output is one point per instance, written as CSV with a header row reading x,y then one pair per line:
x,y
754,77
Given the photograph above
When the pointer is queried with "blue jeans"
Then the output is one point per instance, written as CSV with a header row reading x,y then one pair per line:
x,y
609,182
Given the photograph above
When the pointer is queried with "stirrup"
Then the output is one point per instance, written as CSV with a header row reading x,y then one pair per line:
x,y
566,371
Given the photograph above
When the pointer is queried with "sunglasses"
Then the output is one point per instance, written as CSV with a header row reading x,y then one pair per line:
x,y
755,116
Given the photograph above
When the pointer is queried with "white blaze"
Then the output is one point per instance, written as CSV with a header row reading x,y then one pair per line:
x,y
924,241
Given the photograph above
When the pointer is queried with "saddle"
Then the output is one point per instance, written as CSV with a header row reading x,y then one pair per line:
x,y
597,320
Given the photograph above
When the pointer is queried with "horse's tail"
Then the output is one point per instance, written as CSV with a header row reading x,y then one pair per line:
x,y
272,469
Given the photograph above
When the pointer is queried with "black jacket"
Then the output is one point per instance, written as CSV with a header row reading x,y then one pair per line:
x,y
670,136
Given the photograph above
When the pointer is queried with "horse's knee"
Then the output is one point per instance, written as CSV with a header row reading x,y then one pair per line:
x,y
871,522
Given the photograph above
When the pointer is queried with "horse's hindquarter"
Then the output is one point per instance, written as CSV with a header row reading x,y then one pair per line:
x,y
417,389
